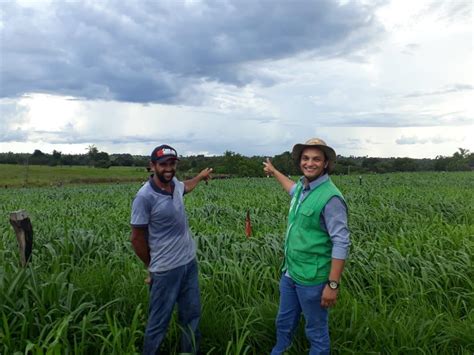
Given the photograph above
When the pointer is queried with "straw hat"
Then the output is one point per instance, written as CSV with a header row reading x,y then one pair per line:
x,y
316,143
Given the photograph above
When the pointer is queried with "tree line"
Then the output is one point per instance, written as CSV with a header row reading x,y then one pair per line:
x,y
235,164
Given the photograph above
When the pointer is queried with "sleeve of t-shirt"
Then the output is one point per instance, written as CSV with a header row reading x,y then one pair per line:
x,y
140,212
180,185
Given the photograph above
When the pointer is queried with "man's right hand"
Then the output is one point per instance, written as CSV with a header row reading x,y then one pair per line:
x,y
284,180
268,167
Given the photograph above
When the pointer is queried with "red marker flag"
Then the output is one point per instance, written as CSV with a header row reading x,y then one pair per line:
x,y
248,225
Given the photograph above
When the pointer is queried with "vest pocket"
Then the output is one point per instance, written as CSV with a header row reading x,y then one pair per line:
x,y
307,217
308,212
303,266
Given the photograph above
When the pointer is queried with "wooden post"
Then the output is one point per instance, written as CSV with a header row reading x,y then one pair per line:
x,y
248,225
24,234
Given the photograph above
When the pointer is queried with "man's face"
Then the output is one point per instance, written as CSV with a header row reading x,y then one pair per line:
x,y
312,163
165,171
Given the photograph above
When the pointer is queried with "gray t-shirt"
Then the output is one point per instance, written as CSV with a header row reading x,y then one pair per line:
x,y
169,238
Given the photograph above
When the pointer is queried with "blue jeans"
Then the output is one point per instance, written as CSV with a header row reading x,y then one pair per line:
x,y
181,286
294,299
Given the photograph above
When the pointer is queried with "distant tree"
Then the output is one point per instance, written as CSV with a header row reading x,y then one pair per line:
x,y
102,160
470,161
141,160
285,163
184,164
239,165
404,164
122,160
92,152
371,163
97,159
425,164
459,161
11,158
38,158
55,158
231,162
67,159
462,154
37,154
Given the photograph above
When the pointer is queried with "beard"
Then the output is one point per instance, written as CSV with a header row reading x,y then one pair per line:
x,y
163,179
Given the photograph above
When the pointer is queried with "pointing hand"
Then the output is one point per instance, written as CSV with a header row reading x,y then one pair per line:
x,y
268,167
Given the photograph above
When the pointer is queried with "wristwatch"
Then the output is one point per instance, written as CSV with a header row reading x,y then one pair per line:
x,y
333,284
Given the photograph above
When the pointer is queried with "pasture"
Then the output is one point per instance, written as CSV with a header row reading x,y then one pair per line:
x,y
407,286
13,175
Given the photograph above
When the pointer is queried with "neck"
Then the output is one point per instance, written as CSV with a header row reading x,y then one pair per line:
x,y
162,185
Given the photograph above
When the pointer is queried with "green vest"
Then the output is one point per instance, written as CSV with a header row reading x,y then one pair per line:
x,y
308,247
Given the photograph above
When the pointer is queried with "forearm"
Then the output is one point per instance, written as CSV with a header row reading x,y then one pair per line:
x,y
284,180
337,266
140,246
190,184
329,295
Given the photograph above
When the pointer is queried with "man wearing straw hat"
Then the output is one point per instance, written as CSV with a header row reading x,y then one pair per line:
x,y
316,246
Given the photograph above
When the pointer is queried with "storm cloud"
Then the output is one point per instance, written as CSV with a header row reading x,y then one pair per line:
x,y
162,52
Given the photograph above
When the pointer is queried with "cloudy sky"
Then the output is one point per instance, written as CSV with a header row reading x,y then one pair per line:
x,y
372,78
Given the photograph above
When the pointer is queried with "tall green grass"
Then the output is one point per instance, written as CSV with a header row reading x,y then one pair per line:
x,y
407,286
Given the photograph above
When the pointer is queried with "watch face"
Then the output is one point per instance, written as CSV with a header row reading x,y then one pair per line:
x,y
333,284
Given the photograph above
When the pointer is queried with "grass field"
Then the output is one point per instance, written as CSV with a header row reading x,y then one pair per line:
x,y
407,287
38,175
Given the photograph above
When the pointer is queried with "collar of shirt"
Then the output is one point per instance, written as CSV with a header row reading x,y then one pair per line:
x,y
312,185
160,190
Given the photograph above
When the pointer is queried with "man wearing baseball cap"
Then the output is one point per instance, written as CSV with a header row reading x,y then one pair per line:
x,y
162,240
316,246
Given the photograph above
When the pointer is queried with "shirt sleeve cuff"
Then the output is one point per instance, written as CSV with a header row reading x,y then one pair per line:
x,y
292,190
339,253
139,225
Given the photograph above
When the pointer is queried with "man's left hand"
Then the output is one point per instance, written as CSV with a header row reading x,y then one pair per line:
x,y
329,296
205,174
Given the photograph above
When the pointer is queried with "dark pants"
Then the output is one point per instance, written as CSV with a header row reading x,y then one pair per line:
x,y
179,285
